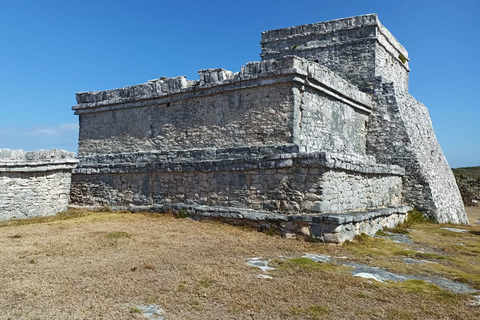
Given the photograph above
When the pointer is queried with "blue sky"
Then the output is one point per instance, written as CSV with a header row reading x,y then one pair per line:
x,y
51,49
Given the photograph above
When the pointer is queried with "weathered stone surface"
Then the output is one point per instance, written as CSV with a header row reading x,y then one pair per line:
x,y
269,103
34,183
322,125
285,183
361,50
324,227
400,132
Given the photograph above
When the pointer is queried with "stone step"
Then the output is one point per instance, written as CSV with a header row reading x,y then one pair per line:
x,y
324,227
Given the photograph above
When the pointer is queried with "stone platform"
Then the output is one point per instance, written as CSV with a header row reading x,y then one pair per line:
x,y
285,183
327,227
323,125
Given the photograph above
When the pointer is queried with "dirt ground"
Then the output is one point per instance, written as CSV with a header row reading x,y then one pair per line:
x,y
110,265
473,214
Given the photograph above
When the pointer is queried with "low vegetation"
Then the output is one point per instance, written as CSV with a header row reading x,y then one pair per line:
x,y
468,181
106,265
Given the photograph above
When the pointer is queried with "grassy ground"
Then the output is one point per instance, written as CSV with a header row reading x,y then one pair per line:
x,y
106,265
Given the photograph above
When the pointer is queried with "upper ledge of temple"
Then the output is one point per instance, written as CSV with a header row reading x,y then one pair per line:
x,y
309,72
320,29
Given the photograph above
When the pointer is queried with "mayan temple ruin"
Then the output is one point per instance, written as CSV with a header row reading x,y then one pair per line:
x,y
319,138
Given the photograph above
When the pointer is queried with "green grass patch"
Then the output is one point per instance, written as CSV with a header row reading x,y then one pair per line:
x,y
273,232
303,263
398,230
364,245
415,217
206,282
135,310
180,214
400,314
381,233
311,312
422,287
117,235
419,255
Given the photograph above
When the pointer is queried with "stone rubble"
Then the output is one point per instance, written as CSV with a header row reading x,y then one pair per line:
x,y
152,312
259,263
455,229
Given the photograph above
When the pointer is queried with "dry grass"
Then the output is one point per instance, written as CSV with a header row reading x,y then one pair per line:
x,y
104,265
473,214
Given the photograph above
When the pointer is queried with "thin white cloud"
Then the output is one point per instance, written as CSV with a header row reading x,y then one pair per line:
x,y
53,131
43,132
69,126
61,136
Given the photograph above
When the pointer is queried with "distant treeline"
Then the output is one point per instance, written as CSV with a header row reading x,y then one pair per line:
x,y
468,181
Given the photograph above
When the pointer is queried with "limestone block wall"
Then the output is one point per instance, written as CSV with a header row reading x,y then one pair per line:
x,y
401,133
358,49
288,183
243,117
439,181
268,103
244,140
327,125
35,183
399,130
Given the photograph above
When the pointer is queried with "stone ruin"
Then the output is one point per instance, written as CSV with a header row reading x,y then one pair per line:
x,y
320,138
34,183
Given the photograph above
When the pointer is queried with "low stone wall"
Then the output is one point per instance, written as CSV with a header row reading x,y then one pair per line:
x,y
35,183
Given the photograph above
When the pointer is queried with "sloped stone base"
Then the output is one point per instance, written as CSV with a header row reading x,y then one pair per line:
x,y
332,227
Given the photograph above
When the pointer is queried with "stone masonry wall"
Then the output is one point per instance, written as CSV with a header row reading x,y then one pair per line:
x,y
273,102
327,125
244,140
358,49
399,131
439,183
244,117
332,44
34,183
288,184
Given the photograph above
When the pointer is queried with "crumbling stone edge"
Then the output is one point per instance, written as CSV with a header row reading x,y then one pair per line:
x,y
326,227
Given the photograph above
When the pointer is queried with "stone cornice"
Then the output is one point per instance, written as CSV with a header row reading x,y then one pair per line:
x,y
34,161
381,35
163,162
214,81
